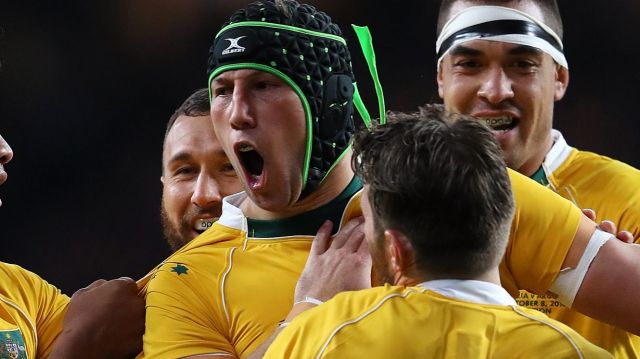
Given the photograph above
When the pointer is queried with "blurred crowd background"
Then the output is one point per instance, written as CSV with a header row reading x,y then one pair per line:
x,y
86,89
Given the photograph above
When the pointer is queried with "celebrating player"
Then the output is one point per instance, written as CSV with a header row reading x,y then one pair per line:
x,y
505,64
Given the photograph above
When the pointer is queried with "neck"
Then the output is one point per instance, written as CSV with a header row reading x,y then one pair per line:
x,y
337,180
491,276
533,164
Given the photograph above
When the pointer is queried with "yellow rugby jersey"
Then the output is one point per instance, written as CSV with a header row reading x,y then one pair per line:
x,y
438,319
542,230
31,313
612,189
226,291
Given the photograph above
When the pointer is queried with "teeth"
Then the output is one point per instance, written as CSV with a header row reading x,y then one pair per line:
x,y
245,148
497,121
204,224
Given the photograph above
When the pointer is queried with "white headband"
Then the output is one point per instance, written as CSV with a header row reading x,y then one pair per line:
x,y
497,23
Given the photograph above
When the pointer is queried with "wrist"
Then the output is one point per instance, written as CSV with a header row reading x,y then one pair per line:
x,y
301,306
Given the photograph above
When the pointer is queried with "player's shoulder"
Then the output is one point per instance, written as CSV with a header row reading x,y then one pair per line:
x,y
200,262
553,337
13,276
25,288
347,305
596,164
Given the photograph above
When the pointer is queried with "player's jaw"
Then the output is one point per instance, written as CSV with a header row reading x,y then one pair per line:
x,y
193,222
268,172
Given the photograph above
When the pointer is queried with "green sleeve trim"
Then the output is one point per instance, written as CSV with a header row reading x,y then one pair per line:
x,y
296,89
366,43
282,27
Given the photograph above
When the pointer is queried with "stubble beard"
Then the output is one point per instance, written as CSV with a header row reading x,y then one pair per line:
x,y
176,237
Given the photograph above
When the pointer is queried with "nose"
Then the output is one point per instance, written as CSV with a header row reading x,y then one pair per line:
x,y
206,194
496,86
6,154
241,109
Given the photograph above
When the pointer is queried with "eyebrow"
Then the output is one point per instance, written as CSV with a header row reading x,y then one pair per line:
x,y
184,156
179,157
461,50
525,50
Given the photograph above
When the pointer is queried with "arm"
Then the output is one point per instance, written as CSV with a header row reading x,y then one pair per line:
x,y
104,320
182,319
611,286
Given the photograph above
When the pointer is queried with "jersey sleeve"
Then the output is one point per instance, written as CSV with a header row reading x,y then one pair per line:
x,y
302,338
44,303
181,316
542,232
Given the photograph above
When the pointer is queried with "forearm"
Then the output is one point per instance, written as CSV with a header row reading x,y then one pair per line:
x,y
611,287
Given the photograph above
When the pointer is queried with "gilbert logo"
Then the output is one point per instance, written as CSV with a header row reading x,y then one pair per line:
x,y
234,46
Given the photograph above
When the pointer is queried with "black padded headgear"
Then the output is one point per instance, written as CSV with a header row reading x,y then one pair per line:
x,y
306,50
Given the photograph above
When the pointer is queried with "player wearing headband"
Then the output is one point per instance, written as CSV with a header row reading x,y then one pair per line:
x,y
440,261
196,173
505,65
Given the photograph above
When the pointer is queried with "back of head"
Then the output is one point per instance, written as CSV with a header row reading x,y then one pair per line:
x,y
440,180
549,9
197,104
303,47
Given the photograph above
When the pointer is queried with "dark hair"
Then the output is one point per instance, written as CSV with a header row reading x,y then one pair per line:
x,y
195,105
440,180
549,8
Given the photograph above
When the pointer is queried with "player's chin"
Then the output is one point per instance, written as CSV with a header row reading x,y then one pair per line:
x,y
274,200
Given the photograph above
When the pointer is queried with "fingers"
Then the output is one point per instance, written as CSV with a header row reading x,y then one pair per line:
x,y
364,247
95,284
591,214
345,233
320,242
626,236
355,240
608,226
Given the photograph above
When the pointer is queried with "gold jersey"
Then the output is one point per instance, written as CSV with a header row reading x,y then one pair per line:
x,y
31,313
612,189
225,292
437,319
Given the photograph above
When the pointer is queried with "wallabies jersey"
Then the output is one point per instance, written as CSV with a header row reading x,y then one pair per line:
x,y
31,313
612,189
225,292
437,319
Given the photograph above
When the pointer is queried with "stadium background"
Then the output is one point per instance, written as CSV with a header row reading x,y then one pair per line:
x,y
86,89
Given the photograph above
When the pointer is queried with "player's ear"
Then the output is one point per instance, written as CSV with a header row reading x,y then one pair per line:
x,y
562,82
399,252
440,81
162,179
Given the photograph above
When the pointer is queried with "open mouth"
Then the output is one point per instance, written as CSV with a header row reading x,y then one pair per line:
x,y
503,123
201,225
252,163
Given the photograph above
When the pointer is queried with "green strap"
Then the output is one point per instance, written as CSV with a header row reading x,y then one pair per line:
x,y
366,43
362,109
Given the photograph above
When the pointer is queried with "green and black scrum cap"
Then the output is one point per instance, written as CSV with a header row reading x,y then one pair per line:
x,y
306,50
